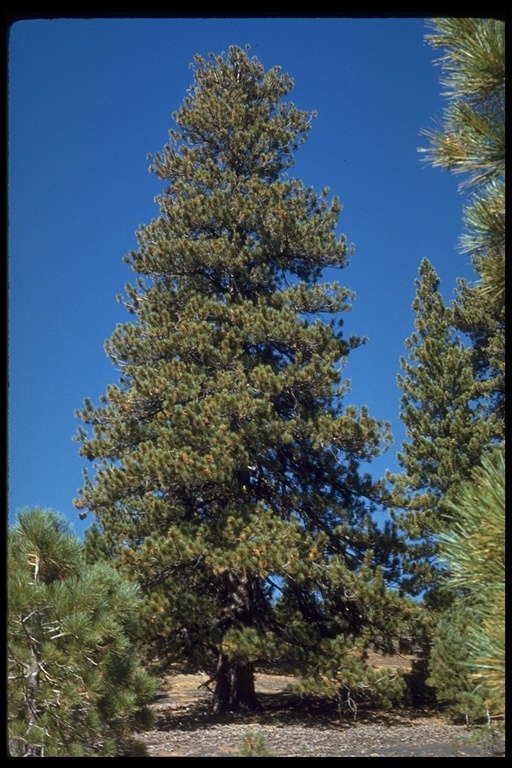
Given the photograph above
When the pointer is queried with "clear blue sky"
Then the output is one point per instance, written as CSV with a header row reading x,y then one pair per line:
x,y
89,99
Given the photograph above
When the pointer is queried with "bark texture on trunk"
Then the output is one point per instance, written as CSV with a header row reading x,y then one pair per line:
x,y
234,680
234,688
244,692
222,694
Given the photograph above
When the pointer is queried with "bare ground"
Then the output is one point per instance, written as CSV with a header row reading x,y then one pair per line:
x,y
290,726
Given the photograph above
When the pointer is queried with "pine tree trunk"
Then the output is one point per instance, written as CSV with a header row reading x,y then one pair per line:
x,y
222,695
234,688
243,688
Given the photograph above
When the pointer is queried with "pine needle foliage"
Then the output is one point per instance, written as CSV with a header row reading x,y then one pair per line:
x,y
471,139
471,142
474,551
75,687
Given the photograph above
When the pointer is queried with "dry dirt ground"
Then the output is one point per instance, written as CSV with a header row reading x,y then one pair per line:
x,y
289,726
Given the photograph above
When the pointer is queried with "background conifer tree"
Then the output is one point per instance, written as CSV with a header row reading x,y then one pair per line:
x,y
75,688
447,432
454,384
226,466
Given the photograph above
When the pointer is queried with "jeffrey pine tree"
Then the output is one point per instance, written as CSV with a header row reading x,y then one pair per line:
x,y
226,467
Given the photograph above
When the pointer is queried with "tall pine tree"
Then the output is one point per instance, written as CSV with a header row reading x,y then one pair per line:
x,y
226,475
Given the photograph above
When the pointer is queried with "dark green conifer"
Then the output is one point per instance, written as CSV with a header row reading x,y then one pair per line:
x,y
75,686
226,475
447,432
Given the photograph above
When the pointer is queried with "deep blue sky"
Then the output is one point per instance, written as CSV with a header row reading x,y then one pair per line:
x,y
89,99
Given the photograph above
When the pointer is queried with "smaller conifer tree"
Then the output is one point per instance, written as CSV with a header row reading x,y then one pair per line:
x,y
75,686
474,551
446,431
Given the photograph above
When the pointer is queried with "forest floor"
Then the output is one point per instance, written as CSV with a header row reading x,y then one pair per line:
x,y
291,726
